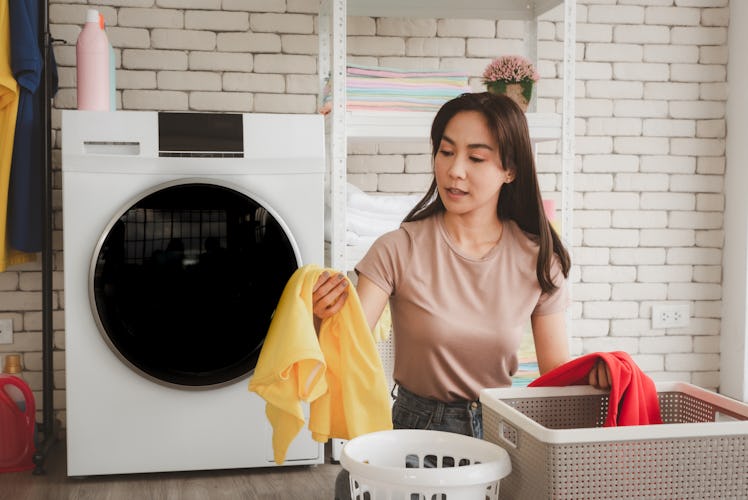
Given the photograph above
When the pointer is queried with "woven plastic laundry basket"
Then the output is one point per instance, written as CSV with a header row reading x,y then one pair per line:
x,y
560,450
394,465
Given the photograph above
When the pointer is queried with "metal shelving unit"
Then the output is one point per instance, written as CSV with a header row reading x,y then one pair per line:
x,y
343,126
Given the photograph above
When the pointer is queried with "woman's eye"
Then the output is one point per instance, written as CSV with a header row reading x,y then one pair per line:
x,y
445,152
476,159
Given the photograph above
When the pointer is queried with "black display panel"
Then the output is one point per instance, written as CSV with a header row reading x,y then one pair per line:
x,y
186,282
200,134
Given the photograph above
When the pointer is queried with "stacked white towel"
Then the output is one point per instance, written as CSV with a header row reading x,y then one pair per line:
x,y
370,216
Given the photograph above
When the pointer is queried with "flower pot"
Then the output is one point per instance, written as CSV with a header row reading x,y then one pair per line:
x,y
521,92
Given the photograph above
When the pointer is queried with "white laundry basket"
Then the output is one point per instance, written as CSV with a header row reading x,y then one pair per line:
x,y
459,467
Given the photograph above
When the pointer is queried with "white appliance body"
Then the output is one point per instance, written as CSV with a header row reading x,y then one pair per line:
x,y
120,419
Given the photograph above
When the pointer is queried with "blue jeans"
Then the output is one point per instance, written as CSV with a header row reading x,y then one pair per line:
x,y
411,411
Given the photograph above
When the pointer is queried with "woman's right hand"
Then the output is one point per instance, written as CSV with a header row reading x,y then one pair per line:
x,y
599,376
328,296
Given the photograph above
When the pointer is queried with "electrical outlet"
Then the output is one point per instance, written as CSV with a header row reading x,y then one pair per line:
x,y
670,315
6,331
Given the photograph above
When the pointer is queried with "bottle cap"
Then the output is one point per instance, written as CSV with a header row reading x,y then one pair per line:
x,y
12,364
92,16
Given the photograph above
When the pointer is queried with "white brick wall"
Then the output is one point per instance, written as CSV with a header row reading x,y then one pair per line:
x,y
651,92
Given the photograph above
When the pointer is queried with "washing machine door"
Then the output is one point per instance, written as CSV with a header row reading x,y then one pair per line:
x,y
185,280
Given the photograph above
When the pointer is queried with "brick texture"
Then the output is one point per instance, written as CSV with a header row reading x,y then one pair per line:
x,y
650,119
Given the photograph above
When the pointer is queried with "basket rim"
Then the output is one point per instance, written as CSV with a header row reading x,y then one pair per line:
x,y
483,473
492,400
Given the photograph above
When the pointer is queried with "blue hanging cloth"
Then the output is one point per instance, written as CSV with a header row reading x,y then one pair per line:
x,y
25,193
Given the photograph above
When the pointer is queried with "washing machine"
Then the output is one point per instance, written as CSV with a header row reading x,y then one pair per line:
x,y
180,232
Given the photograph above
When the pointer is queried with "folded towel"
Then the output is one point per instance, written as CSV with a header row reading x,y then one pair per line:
x,y
385,72
633,396
384,204
369,226
351,238
393,89
389,218
370,216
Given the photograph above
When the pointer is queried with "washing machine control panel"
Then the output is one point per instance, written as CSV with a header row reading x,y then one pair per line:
x,y
201,135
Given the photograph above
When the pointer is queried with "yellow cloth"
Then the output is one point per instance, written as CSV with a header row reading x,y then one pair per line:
x,y
339,373
8,113
383,328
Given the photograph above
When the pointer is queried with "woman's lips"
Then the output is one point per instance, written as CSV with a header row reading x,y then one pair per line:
x,y
455,193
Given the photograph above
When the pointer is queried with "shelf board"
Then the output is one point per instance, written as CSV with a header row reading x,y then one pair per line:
x,y
416,125
450,9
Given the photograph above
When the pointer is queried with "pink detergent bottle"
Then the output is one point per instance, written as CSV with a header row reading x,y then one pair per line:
x,y
17,422
92,59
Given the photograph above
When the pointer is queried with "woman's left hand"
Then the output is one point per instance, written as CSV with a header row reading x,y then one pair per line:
x,y
599,376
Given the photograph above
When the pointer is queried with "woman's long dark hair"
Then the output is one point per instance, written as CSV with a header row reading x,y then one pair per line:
x,y
519,200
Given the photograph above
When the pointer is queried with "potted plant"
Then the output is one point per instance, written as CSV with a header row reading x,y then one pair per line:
x,y
513,76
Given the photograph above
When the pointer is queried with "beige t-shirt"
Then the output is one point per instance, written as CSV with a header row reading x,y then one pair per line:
x,y
457,320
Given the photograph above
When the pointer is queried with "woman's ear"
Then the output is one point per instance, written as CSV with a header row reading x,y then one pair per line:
x,y
509,176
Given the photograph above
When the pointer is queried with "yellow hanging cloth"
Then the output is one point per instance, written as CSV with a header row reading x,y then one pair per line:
x,y
8,112
339,373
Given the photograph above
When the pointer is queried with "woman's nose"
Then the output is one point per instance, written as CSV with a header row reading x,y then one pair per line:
x,y
457,168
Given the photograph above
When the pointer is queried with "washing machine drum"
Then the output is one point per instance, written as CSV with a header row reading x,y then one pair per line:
x,y
185,281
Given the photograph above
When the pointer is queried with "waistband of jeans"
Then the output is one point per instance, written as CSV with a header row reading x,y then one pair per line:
x,y
461,403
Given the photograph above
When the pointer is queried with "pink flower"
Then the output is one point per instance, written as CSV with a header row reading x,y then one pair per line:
x,y
510,69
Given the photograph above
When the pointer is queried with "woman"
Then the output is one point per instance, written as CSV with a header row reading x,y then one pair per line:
x,y
472,264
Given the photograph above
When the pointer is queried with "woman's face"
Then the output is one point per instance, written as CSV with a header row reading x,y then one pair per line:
x,y
467,166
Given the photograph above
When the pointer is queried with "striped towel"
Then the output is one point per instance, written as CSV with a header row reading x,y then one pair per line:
x,y
393,89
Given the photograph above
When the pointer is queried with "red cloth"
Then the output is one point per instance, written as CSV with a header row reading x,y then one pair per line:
x,y
633,396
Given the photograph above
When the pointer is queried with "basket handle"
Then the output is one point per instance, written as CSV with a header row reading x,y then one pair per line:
x,y
508,434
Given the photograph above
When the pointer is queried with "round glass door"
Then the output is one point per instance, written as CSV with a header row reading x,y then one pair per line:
x,y
186,280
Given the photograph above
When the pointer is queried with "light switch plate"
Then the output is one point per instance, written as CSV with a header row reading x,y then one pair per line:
x,y
6,331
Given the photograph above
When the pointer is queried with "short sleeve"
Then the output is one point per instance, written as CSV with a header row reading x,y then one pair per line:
x,y
383,264
557,300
